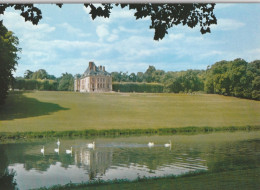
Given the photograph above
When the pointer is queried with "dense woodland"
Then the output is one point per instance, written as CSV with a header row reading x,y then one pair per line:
x,y
232,78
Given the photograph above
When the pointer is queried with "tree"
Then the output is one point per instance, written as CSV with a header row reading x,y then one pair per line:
x,y
28,74
162,16
158,75
140,77
40,74
234,78
149,74
8,60
116,76
66,82
132,77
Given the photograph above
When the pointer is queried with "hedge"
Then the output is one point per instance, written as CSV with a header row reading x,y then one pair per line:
x,y
137,87
31,84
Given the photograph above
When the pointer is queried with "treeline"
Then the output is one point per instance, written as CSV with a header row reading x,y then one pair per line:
x,y
181,81
234,78
41,80
231,78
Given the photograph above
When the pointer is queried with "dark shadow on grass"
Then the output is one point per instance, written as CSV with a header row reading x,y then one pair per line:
x,y
19,106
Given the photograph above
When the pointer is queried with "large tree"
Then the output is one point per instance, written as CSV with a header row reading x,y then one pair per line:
x,y
8,59
162,16
66,82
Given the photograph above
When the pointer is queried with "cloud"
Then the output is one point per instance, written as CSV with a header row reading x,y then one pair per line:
x,y
25,30
74,31
118,13
252,54
102,31
176,36
112,37
227,24
128,30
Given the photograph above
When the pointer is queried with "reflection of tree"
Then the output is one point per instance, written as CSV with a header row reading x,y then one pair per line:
x,y
7,180
3,161
6,176
154,158
232,156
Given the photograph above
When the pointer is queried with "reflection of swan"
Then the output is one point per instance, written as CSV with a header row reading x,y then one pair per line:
x,y
168,144
69,151
91,145
42,150
150,144
57,150
58,143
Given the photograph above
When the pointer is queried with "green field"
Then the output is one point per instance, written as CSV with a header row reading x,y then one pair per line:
x,y
239,179
39,111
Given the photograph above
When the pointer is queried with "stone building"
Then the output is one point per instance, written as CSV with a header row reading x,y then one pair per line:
x,y
94,79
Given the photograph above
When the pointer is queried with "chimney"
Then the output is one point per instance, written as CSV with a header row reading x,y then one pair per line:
x,y
100,68
90,65
103,68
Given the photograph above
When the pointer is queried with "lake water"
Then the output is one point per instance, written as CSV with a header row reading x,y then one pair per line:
x,y
126,157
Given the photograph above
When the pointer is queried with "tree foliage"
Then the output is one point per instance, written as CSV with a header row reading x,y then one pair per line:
x,y
162,16
32,84
234,78
8,59
66,82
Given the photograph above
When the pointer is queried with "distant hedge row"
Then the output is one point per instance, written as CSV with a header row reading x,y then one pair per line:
x,y
30,84
137,87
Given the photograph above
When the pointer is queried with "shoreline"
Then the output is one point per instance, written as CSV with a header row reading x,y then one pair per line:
x,y
123,132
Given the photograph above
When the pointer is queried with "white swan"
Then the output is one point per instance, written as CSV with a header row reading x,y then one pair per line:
x,y
58,143
150,144
42,150
168,144
57,150
69,151
91,145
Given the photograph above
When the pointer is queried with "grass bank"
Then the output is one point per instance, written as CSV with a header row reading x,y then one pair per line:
x,y
239,179
122,132
45,113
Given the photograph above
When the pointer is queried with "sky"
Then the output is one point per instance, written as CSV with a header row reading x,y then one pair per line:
x,y
66,39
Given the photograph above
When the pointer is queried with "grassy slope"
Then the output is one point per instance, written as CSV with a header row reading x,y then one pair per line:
x,y
226,180
59,111
239,179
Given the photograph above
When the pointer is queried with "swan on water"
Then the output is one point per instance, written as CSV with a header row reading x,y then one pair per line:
x,y
57,150
69,151
91,145
42,150
150,144
168,144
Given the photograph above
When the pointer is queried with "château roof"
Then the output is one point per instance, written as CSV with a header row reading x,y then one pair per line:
x,y
93,70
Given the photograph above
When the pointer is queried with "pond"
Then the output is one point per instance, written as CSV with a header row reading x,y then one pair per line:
x,y
126,157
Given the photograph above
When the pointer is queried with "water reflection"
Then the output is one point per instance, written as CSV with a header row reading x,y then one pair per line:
x,y
120,159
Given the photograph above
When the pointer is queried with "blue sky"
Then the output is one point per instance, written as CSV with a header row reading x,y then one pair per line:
x,y
66,39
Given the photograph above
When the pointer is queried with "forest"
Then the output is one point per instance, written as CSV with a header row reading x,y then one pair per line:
x,y
230,78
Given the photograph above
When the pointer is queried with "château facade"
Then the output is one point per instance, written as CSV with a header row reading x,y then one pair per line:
x,y
94,79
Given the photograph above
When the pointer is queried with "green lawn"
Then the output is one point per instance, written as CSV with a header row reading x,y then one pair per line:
x,y
61,111
239,180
